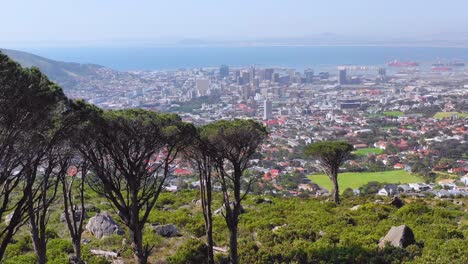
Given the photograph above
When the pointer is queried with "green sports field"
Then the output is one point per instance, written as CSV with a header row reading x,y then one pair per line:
x,y
393,113
441,115
355,180
365,151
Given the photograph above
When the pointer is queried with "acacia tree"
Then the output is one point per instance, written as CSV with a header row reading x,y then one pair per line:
x,y
330,155
131,152
233,145
28,108
200,153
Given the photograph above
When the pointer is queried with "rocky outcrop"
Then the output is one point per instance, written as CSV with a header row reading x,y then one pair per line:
x,y
169,230
398,236
102,224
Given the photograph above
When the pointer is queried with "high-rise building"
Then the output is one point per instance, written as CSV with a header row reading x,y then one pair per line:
x,y
382,74
267,110
224,71
246,91
309,76
252,72
202,86
342,77
269,74
245,77
276,77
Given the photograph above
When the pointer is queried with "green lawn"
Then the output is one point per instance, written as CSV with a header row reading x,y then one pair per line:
x,y
365,151
393,113
388,127
441,115
355,180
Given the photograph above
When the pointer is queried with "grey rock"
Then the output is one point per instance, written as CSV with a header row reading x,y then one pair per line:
x,y
76,218
169,230
220,210
73,259
355,208
398,236
102,224
276,228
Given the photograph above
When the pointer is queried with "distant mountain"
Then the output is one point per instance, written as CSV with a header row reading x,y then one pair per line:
x,y
69,75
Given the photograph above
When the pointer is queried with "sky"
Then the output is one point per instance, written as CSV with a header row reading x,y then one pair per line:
x,y
94,22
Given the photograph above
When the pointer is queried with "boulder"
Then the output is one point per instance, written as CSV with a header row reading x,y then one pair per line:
x,y
276,228
102,224
169,230
398,236
220,210
73,259
397,202
355,208
76,218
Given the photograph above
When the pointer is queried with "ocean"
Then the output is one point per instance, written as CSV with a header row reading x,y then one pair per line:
x,y
297,57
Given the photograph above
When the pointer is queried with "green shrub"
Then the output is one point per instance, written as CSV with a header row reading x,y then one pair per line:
x,y
192,251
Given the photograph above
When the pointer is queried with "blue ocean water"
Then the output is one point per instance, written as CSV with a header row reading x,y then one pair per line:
x,y
298,57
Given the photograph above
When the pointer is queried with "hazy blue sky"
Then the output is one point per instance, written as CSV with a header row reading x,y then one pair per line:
x,y
24,22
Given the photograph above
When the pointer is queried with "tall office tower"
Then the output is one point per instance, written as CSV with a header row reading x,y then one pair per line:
x,y
275,77
252,72
246,91
224,71
309,76
256,82
382,74
202,86
239,80
267,110
245,77
236,74
342,77
269,74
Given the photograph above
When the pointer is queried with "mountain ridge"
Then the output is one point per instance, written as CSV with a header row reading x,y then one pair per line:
x,y
69,75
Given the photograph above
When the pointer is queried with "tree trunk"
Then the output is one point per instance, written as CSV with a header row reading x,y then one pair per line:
x,y
5,242
137,245
77,249
209,238
39,247
336,192
233,255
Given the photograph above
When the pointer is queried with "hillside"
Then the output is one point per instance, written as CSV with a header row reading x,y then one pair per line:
x,y
278,230
69,75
